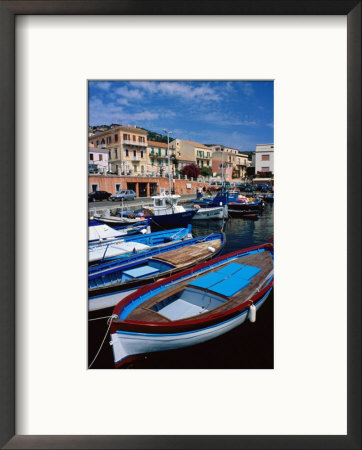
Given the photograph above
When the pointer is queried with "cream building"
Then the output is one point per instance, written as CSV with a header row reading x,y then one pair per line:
x,y
127,149
188,152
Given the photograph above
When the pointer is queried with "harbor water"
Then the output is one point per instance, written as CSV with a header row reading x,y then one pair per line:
x,y
249,346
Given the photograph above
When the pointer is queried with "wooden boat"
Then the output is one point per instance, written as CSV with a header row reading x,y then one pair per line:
x,y
194,305
128,245
109,283
166,212
99,232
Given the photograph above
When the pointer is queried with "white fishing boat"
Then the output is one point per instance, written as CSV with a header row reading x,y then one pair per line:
x,y
212,213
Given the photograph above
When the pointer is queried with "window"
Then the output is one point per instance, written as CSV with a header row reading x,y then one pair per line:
x,y
265,157
126,137
97,143
134,153
118,187
116,138
141,153
265,169
134,138
141,139
159,152
126,151
152,162
109,139
165,151
91,157
103,142
100,157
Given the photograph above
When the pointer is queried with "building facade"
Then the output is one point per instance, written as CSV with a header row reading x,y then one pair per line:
x,y
127,149
157,159
189,152
264,158
97,160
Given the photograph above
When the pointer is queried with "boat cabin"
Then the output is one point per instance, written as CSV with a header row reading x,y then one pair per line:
x,y
166,204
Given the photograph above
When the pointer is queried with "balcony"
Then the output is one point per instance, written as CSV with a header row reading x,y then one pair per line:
x,y
139,144
136,158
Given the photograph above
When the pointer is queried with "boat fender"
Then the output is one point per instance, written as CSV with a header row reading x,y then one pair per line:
x,y
143,231
211,249
252,313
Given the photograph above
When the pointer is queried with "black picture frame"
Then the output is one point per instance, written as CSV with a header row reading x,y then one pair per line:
x,y
8,12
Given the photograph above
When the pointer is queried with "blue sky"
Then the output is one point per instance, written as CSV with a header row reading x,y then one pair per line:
x,y
238,114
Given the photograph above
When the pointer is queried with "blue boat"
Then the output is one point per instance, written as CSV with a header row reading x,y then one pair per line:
x,y
110,282
233,200
119,248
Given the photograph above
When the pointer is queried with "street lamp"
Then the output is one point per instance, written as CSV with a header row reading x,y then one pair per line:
x,y
168,159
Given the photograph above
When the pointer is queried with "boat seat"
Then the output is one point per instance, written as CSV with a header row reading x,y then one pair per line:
x,y
140,272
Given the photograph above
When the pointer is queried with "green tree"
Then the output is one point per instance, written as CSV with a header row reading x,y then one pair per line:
x,y
205,172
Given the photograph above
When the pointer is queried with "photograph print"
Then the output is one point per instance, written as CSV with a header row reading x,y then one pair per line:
x,y
180,224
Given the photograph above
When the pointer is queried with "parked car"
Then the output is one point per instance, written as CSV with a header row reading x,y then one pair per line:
x,y
127,194
98,195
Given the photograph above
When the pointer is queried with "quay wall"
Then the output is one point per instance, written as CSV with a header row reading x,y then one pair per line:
x,y
143,186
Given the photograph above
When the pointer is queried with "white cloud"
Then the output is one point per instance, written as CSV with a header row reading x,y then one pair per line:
x,y
104,85
225,120
133,94
247,88
101,113
177,89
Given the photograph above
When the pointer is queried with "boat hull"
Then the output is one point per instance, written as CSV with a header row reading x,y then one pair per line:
x,y
170,220
126,344
216,213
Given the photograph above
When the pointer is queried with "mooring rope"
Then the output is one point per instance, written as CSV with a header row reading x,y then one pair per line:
x,y
114,316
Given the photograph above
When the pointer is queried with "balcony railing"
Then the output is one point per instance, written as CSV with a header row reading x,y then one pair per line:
x,y
136,158
140,144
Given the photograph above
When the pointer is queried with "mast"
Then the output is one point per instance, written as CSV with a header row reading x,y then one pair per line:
x,y
168,160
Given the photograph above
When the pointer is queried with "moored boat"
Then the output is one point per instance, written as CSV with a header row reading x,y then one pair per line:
x,y
109,283
166,212
98,232
117,248
211,213
194,305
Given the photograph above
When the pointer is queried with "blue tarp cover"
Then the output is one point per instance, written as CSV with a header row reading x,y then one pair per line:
x,y
228,280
